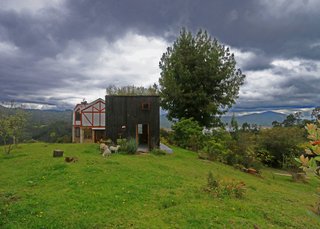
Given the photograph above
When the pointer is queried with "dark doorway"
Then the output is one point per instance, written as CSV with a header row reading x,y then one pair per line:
x,y
99,134
143,134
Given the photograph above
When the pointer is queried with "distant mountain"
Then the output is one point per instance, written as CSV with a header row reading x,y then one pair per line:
x,y
47,117
164,122
261,119
44,125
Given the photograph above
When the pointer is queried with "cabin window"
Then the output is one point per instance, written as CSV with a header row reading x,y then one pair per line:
x,y
146,106
77,132
139,128
78,116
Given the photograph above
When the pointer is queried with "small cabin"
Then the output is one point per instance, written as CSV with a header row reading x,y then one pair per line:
x,y
136,117
89,122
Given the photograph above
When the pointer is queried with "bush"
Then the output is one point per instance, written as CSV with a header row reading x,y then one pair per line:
x,y
127,146
131,146
264,156
122,142
188,134
214,150
166,136
158,152
281,143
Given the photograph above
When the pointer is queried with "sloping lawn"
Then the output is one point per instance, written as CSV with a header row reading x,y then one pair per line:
x,y
141,191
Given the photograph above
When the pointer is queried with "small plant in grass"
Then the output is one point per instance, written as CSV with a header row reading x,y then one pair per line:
x,y
213,183
219,188
158,152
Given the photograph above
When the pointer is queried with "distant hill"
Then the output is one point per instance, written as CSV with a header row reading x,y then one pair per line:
x,y
261,119
42,117
55,126
44,125
164,122
47,117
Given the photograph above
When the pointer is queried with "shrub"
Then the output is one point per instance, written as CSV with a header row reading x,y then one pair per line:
x,y
131,146
220,146
166,136
188,134
158,152
214,150
264,156
127,146
242,151
122,142
281,143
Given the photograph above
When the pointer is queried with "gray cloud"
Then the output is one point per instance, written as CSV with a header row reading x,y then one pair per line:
x,y
49,53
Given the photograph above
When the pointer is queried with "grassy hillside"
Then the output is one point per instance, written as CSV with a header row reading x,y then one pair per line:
x,y
141,191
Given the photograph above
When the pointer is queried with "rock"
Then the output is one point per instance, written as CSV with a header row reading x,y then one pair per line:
x,y
252,171
57,153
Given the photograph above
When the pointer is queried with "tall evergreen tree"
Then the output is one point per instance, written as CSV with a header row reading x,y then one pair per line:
x,y
198,79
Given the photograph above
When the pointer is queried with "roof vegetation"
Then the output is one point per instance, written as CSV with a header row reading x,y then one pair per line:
x,y
132,90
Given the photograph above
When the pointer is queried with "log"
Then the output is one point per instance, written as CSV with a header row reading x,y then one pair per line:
x,y
283,174
57,153
70,159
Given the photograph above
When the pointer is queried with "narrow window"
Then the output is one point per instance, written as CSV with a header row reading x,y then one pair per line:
x,y
146,106
139,128
78,115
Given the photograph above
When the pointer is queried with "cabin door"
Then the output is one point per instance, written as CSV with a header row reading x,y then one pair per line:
x,y
143,134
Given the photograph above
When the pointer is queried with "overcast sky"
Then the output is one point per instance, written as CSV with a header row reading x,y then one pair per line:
x,y
58,52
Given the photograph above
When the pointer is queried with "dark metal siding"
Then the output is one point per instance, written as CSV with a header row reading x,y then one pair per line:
x,y
127,111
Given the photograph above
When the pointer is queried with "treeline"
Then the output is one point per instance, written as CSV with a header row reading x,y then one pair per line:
x,y
246,146
39,125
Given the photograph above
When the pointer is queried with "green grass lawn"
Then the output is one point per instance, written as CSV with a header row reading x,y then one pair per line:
x,y
141,191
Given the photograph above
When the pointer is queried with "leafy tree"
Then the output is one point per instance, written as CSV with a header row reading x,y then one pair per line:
x,y
246,126
292,119
234,124
316,113
11,127
198,79
276,124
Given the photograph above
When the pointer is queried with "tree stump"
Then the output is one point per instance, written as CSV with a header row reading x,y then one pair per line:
x,y
57,153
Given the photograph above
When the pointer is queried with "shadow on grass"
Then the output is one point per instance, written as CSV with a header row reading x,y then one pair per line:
x,y
12,156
